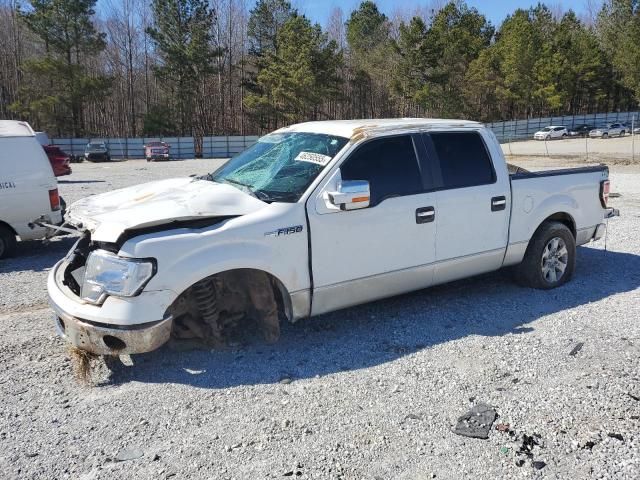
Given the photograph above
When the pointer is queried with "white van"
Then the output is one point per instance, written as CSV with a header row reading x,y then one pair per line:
x,y
28,188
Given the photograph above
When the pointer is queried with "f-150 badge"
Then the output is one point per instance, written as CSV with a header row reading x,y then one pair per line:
x,y
284,231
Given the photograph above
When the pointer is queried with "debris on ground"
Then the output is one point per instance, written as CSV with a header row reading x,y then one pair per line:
x,y
82,363
502,427
617,436
538,464
413,416
574,351
128,454
477,422
528,444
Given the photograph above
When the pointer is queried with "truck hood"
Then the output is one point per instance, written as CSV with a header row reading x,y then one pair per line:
x,y
108,215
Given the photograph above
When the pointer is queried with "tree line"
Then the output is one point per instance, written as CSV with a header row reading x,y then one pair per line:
x,y
222,67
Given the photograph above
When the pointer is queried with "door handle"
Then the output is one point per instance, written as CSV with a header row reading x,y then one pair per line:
x,y
498,203
425,215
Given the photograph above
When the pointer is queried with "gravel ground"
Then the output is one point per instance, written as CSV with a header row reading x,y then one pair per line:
x,y
371,392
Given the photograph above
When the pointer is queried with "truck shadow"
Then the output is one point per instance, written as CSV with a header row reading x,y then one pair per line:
x,y
380,332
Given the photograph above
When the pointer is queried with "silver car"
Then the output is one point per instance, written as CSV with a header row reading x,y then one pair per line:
x,y
612,130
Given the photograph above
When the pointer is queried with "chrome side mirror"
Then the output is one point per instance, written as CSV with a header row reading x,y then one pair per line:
x,y
351,195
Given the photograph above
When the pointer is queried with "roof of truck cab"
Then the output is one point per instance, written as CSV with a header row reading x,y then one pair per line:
x,y
14,128
353,128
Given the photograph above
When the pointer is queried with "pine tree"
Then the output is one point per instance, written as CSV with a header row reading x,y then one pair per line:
x,y
297,80
60,85
265,22
436,59
619,27
182,33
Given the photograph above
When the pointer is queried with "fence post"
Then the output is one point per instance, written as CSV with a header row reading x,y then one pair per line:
x,y
633,139
586,145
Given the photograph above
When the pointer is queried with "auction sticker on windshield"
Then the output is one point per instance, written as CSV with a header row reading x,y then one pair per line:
x,y
311,157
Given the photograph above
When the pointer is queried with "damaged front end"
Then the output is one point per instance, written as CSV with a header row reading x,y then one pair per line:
x,y
110,302
93,324
214,312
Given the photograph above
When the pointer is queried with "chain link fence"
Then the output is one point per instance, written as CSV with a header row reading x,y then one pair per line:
x,y
524,129
179,147
228,146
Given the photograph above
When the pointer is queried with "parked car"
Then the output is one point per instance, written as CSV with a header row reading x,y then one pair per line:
x,y
157,151
97,152
581,130
636,131
59,160
551,132
28,187
388,206
611,130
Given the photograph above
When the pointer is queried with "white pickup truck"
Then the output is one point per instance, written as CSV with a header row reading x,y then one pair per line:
x,y
313,218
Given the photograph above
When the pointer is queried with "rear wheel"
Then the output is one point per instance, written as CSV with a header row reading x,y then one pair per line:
x,y
622,133
605,135
7,242
550,257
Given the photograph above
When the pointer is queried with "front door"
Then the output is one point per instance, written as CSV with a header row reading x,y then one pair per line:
x,y
382,250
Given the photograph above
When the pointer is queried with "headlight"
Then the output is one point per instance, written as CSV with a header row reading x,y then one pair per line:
x,y
108,274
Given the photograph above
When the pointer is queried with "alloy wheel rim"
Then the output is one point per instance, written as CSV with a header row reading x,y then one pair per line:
x,y
555,258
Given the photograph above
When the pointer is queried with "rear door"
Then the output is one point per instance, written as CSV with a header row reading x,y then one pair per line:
x,y
26,178
473,204
382,250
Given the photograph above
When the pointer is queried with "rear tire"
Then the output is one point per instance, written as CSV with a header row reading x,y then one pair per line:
x,y
550,258
8,242
605,135
622,133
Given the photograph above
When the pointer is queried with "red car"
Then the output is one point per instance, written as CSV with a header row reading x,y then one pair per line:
x,y
157,151
59,160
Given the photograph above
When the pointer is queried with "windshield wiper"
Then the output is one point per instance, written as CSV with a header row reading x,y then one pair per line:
x,y
245,188
235,182
276,196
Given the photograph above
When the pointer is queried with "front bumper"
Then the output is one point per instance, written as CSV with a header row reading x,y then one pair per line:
x,y
118,326
96,157
106,340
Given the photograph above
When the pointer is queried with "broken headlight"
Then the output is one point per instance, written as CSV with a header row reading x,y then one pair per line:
x,y
108,274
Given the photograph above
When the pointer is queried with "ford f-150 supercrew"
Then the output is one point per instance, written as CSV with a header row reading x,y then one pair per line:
x,y
313,218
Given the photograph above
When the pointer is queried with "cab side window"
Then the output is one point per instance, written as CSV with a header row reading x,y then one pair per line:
x,y
463,158
388,164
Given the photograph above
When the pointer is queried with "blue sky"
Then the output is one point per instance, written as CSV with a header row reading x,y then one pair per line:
x,y
496,11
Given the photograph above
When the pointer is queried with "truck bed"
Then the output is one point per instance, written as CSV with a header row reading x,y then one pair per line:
x,y
569,193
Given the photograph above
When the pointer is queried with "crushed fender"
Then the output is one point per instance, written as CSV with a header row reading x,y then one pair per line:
x,y
219,309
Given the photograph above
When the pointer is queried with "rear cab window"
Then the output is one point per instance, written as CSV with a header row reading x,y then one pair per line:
x,y
462,159
389,164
